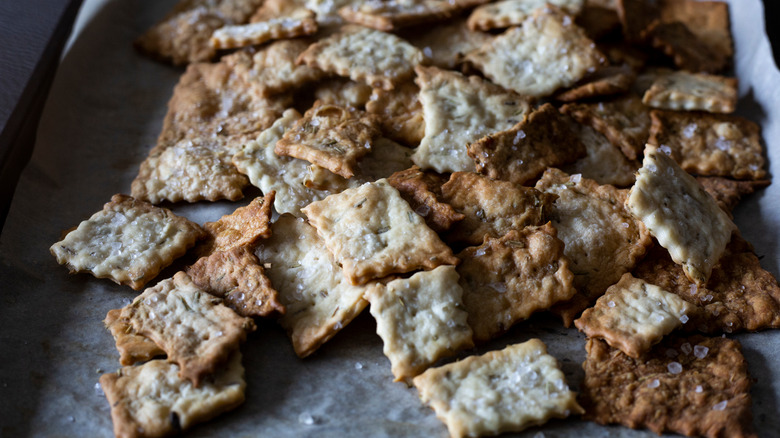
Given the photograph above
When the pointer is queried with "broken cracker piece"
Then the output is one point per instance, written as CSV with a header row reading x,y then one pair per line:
x,y
129,242
605,81
422,190
506,13
133,348
259,32
244,227
342,92
708,20
501,391
400,112
603,162
446,45
391,15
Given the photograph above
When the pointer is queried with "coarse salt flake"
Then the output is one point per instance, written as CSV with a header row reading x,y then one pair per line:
x,y
700,351
654,384
720,406
674,367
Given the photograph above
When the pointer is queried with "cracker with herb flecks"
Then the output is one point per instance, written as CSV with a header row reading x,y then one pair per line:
x,y
728,192
330,136
693,91
710,144
391,15
372,232
603,162
446,45
506,13
506,280
519,154
625,121
299,24
606,81
133,348
319,300
151,400
633,315
516,61
680,214
703,389
235,275
194,328
422,190
684,47
342,92
501,391
708,20
399,112
364,55
603,240
420,320
459,110
244,227
492,208
129,242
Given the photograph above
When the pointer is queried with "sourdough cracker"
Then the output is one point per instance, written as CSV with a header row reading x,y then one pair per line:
x,y
708,20
445,46
506,13
400,113
606,81
422,190
459,110
501,391
420,320
151,400
129,242
195,329
693,91
636,16
319,300
506,280
133,348
342,92
372,232
244,227
259,32
688,53
392,15
597,20
727,192
603,162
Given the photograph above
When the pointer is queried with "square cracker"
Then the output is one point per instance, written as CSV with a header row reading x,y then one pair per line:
x,y
681,90
372,232
684,47
132,347
301,23
152,400
364,55
680,214
459,110
236,276
244,227
446,45
633,315
501,391
129,242
708,20
330,136
422,190
710,144
392,15
319,300
727,192
194,328
506,13
506,280
420,320
603,162
492,208
603,240
702,394
514,59
399,112
542,139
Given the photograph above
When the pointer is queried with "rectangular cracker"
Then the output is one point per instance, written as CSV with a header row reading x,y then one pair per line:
x,y
399,112
506,280
501,391
422,190
446,45
521,153
133,348
243,35
682,90
459,110
708,20
514,59
364,55
194,328
372,232
506,13
710,144
702,394
152,400
319,300
633,315
391,15
680,214
677,41
420,320
129,242
242,228
492,208
603,162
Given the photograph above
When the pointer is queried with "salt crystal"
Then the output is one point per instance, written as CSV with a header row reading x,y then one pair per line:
x,y
428,52
71,419
611,304
651,168
684,319
576,178
694,288
665,149
99,390
337,326
674,367
720,406
306,418
358,366
689,130
699,389
700,351
654,384
686,348
707,297
520,135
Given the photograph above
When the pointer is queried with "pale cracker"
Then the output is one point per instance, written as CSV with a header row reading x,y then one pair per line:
x,y
515,61
710,144
603,162
521,153
633,315
243,35
342,92
132,347
364,55
183,36
330,136
281,8
606,81
194,328
400,112
459,110
422,190
151,400
319,300
373,232
492,208
506,280
446,45
693,91
680,214
501,391
506,13
129,242
420,320
236,276
244,227
393,14
327,10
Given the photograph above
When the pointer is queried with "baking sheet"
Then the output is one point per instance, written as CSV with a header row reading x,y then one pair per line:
x,y
103,115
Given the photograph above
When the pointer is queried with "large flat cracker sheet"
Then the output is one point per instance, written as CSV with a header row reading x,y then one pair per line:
x,y
103,115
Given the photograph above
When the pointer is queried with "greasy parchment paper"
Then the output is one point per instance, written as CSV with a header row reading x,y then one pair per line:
x,y
103,115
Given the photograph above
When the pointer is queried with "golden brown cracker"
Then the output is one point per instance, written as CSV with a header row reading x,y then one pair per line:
x,y
686,50
597,21
392,15
133,348
422,190
299,24
692,91
506,13
603,162
605,81
400,113
708,20
182,38
244,227
636,16
728,192
342,92
446,45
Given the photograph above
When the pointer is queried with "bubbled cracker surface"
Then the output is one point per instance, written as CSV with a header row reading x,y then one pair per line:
x,y
244,35
133,348
684,91
507,13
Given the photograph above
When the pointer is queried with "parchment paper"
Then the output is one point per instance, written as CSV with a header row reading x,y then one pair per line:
x,y
103,115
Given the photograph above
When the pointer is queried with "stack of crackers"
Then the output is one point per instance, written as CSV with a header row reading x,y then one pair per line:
x,y
456,166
